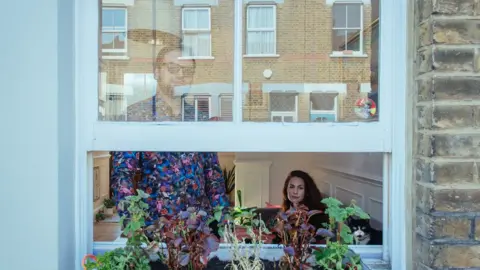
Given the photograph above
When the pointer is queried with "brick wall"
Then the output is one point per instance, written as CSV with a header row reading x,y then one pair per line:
x,y
304,43
447,135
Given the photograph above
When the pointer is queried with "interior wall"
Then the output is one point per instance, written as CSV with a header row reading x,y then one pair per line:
x,y
101,168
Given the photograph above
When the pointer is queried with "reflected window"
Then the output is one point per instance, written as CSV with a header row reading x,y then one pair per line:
x,y
323,107
196,29
196,108
347,33
261,30
226,107
114,31
284,107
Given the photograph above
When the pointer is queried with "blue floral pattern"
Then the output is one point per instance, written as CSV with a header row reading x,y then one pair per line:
x,y
174,181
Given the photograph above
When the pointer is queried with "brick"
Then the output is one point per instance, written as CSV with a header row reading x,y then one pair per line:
x,y
454,7
447,117
456,31
462,145
444,172
425,36
424,60
424,145
455,88
448,200
423,10
453,59
446,256
477,228
456,228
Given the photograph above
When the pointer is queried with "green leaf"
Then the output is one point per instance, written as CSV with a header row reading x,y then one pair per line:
x,y
218,216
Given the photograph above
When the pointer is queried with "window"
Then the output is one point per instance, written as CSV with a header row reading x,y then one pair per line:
x,y
291,88
283,107
347,33
196,108
323,107
196,29
114,32
225,107
261,30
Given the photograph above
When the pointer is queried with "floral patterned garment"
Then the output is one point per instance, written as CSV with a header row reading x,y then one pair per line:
x,y
173,180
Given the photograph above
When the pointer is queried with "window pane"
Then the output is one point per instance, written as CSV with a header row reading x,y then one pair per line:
x,y
155,70
325,55
339,15
260,17
354,15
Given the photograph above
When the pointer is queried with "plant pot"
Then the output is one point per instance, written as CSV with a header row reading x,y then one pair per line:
x,y
216,264
109,212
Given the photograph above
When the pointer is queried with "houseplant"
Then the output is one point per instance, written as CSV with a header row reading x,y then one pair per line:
x,y
108,204
336,255
229,176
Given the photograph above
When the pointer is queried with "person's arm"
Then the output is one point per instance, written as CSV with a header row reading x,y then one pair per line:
x,y
214,181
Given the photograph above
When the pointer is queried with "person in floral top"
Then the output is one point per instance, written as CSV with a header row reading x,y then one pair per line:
x,y
174,180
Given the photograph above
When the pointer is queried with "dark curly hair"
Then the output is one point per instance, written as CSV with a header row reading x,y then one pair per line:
x,y
312,198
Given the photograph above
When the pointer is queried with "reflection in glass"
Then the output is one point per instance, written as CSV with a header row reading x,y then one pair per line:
x,y
303,61
158,62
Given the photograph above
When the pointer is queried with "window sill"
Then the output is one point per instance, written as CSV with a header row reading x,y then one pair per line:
x,y
261,55
196,58
344,55
106,57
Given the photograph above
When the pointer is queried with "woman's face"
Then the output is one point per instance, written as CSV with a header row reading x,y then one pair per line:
x,y
296,190
174,71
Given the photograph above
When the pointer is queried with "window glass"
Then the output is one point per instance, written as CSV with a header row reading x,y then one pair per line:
x,y
159,57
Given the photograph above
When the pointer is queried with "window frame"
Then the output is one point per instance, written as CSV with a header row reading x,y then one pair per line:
x,y
197,31
361,51
248,29
283,114
195,98
389,135
121,52
329,112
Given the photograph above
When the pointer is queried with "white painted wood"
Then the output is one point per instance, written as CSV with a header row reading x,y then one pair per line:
x,y
252,178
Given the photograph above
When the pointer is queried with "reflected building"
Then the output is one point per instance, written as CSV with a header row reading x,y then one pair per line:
x,y
304,61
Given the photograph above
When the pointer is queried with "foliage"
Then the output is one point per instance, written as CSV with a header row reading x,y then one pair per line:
x,y
188,239
245,258
108,203
127,258
239,216
336,253
99,216
296,234
137,213
229,176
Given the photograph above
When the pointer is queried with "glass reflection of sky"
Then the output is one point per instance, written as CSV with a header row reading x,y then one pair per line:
x,y
113,19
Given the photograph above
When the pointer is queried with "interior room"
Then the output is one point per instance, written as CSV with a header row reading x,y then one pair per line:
x,y
260,177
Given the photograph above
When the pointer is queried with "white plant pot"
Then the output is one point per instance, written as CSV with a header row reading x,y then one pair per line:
x,y
109,211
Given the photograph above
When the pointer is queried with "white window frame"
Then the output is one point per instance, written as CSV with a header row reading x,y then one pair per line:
x,y
274,29
334,111
389,135
197,31
195,100
283,114
220,98
348,53
122,52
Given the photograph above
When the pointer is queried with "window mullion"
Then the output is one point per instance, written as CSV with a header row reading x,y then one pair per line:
x,y
238,62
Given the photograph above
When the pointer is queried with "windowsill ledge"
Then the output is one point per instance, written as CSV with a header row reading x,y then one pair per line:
x,y
196,58
344,55
261,55
107,57
375,264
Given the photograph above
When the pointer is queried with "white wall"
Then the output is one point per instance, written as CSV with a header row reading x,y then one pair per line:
x,y
346,176
37,135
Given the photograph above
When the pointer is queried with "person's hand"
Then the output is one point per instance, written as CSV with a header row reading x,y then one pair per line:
x,y
270,205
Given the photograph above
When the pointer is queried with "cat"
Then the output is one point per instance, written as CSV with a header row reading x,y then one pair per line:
x,y
363,233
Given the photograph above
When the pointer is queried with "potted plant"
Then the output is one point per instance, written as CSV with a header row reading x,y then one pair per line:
x,y
229,176
108,204
336,255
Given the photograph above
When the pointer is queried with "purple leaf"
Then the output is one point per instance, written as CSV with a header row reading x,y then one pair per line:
x,y
289,250
184,259
178,241
211,243
325,233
